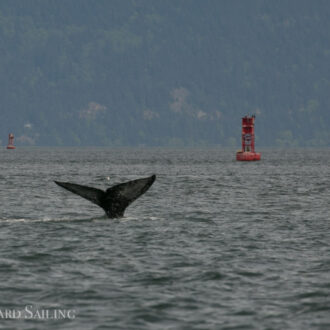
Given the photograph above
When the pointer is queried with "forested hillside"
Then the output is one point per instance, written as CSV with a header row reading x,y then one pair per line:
x,y
149,72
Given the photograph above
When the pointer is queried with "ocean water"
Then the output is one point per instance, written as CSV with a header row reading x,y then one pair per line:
x,y
214,243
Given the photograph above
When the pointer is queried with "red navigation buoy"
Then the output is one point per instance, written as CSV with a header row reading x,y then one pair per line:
x,y
247,152
11,141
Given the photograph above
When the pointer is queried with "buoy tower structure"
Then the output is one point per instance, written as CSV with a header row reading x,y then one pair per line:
x,y
11,141
248,153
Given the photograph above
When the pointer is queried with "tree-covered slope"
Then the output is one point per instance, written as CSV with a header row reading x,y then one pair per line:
x,y
125,72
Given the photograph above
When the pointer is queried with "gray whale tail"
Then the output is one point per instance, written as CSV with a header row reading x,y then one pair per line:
x,y
114,200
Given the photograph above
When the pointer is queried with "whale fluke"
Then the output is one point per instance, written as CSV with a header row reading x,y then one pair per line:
x,y
114,200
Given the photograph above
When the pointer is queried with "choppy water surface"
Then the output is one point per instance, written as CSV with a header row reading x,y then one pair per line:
x,y
214,244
